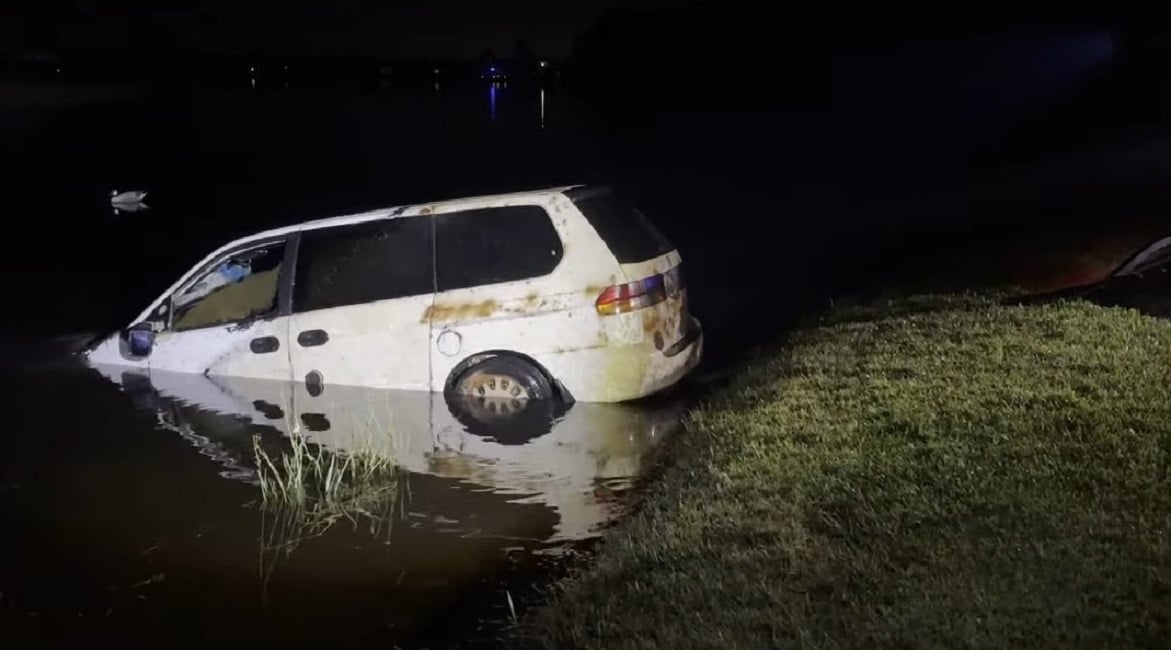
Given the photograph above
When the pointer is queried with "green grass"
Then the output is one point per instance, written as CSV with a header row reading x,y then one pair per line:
x,y
306,489
935,473
308,474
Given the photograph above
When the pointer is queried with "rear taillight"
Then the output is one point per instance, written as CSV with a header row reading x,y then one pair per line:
x,y
622,298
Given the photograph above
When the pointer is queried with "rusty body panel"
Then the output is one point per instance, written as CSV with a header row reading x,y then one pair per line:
x,y
440,312
598,358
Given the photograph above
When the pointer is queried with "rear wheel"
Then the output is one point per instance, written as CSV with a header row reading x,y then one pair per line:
x,y
504,398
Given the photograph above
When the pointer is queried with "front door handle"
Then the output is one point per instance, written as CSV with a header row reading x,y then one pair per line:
x,y
311,338
264,344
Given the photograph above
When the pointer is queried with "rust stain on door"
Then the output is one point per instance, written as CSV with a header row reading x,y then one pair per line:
x,y
449,312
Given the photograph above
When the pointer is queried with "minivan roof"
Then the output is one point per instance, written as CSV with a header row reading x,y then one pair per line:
x,y
536,196
408,210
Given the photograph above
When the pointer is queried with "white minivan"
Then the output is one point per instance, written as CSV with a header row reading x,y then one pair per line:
x,y
562,294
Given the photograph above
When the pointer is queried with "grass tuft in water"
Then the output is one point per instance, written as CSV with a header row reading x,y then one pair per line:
x,y
308,475
307,488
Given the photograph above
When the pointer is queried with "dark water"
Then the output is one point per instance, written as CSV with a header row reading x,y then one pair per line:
x,y
132,511
222,163
130,504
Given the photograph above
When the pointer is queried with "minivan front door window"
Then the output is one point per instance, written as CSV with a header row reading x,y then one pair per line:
x,y
242,287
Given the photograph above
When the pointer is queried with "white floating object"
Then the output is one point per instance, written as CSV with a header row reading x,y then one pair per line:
x,y
131,201
134,196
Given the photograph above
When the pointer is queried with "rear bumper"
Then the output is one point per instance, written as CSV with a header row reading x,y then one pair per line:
x,y
660,370
620,373
674,363
692,335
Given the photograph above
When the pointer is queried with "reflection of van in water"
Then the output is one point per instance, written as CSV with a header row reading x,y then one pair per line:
x,y
564,293
561,464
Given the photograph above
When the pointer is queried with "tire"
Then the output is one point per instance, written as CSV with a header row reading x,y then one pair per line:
x,y
505,399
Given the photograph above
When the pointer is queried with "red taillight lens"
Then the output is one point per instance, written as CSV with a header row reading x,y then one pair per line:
x,y
622,298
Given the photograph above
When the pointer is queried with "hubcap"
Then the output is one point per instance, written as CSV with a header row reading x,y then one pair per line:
x,y
497,394
497,386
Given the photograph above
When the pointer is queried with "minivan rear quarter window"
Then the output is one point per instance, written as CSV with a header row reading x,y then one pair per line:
x,y
628,234
490,245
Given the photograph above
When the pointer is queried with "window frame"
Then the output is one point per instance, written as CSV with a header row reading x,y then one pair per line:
x,y
284,281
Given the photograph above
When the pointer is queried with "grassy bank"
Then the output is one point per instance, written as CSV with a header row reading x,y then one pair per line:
x,y
937,473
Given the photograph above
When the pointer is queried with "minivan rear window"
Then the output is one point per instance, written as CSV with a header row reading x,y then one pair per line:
x,y
630,236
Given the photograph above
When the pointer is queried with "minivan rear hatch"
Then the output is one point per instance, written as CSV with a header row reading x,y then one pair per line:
x,y
652,267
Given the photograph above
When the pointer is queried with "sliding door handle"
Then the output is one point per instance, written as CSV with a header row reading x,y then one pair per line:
x,y
311,338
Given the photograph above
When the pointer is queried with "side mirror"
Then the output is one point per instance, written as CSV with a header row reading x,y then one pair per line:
x,y
140,338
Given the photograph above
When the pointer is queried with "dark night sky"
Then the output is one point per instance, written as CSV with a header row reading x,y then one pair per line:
x,y
444,28
440,28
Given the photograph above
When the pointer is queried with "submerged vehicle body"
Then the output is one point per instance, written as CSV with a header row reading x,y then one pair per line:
x,y
565,294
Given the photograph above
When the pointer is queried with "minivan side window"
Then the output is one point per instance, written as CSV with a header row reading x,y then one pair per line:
x,y
243,286
489,245
377,260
